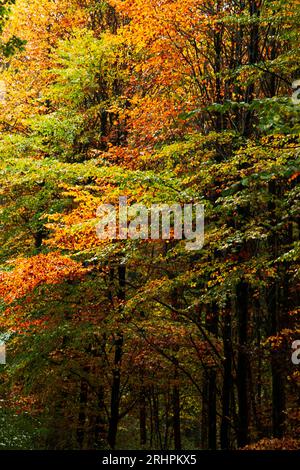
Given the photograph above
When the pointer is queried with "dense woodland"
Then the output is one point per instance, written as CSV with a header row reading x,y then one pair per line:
x,y
141,344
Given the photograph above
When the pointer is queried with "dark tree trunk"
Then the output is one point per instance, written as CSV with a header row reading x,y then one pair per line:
x,y
83,399
176,411
204,411
278,380
212,325
116,381
143,417
212,410
242,365
253,56
217,69
99,430
227,382
115,392
100,421
156,418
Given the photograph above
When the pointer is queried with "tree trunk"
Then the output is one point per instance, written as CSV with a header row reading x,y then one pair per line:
x,y
116,382
227,382
143,417
212,326
115,392
176,411
242,365
83,398
278,381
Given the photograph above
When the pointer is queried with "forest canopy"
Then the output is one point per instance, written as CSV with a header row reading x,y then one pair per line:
x,y
141,343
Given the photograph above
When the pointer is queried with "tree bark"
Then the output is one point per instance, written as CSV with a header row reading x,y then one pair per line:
x,y
116,382
176,412
143,417
227,381
242,365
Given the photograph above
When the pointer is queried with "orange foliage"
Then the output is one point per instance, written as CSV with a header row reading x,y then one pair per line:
x,y
42,25
286,443
171,61
29,273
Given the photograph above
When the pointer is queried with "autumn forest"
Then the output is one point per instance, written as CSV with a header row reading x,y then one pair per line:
x,y
141,343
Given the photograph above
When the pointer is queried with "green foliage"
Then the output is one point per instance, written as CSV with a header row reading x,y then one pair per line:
x,y
83,98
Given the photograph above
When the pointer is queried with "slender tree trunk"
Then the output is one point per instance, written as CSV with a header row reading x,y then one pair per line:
x,y
115,392
253,55
100,421
175,301
176,411
204,411
143,417
212,325
242,365
156,419
278,381
83,399
217,69
99,427
227,382
116,382
212,410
